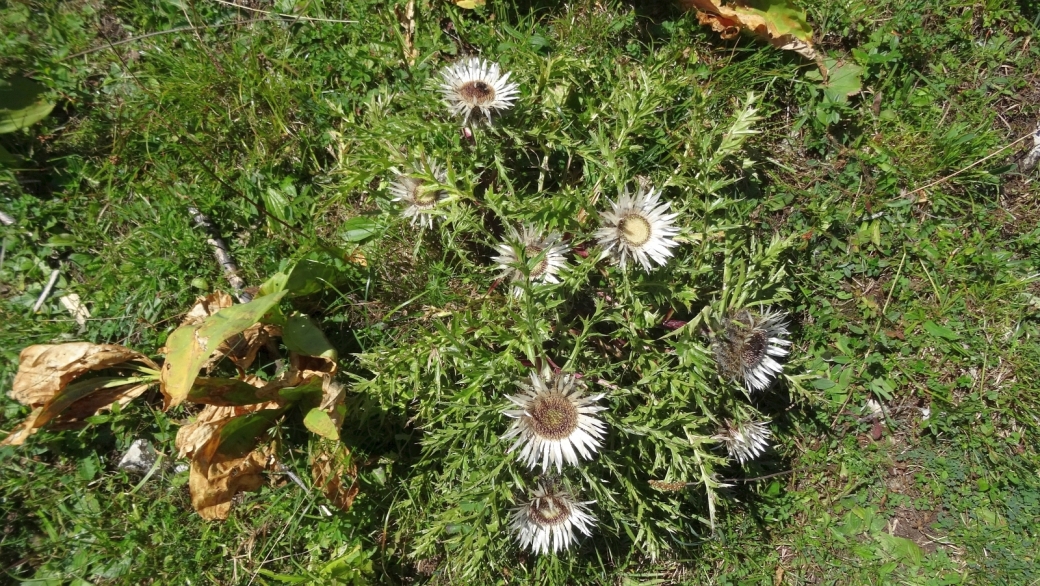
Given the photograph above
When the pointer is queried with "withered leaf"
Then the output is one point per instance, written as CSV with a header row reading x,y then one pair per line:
x,y
335,473
778,21
64,383
224,456
207,306
45,369
208,423
215,479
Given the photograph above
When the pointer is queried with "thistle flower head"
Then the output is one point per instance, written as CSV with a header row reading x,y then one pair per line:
x,y
547,522
544,255
747,345
418,194
554,422
638,228
745,441
474,85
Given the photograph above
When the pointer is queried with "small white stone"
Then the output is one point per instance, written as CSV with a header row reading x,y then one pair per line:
x,y
140,458
926,412
180,467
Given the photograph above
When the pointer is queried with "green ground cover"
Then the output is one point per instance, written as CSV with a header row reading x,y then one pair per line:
x,y
907,287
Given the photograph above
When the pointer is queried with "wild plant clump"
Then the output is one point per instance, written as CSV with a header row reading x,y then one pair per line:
x,y
618,321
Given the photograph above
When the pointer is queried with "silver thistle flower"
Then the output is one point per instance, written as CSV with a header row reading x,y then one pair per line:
x,y
547,522
747,345
418,194
545,256
476,85
638,228
554,422
745,441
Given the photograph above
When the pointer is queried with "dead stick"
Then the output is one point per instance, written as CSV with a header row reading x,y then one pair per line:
x,y
975,164
223,255
47,290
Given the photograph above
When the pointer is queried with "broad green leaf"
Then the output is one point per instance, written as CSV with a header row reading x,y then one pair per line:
x,y
901,548
937,331
22,104
275,284
224,392
358,229
302,335
190,346
319,422
311,388
277,203
823,384
845,80
309,277
241,434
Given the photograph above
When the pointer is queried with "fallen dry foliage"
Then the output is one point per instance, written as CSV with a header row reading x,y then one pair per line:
x,y
779,22
66,383
329,465
222,444
228,443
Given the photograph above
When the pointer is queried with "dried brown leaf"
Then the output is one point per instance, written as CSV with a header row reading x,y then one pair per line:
x,y
779,22
216,477
62,383
193,436
207,306
335,473
225,459
18,435
45,369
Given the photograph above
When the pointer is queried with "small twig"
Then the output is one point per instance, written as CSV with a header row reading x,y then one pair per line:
x,y
292,16
6,220
179,29
46,290
775,474
975,164
1033,156
222,253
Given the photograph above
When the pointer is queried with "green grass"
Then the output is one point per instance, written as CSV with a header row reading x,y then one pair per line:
x,y
924,301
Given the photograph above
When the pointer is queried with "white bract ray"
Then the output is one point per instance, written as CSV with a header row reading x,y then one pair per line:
x,y
474,85
554,422
548,521
638,228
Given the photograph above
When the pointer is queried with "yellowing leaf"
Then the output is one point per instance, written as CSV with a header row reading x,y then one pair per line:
x,y
469,4
778,21
190,346
320,423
